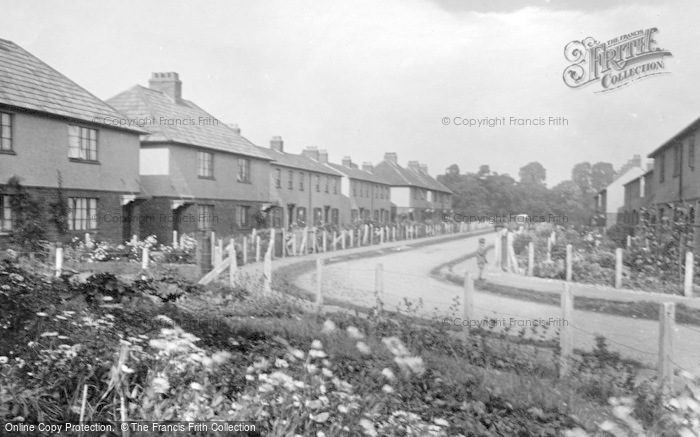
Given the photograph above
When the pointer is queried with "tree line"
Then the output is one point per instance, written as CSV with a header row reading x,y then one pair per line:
x,y
487,192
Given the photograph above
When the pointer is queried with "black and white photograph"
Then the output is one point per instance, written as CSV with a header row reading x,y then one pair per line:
x,y
320,218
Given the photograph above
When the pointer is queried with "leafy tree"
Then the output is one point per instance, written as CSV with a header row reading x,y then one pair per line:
x,y
602,175
533,174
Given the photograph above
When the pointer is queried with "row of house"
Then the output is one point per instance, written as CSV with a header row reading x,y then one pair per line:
x,y
655,191
149,162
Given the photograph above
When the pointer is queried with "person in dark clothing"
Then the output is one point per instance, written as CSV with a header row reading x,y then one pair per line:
x,y
481,256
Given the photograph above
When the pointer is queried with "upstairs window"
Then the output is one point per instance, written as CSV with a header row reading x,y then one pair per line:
x,y
301,181
354,189
205,168
243,170
290,180
278,178
82,143
335,185
318,183
5,132
325,183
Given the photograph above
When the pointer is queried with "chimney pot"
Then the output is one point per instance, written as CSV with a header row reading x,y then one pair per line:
x,y
424,168
277,144
367,166
310,152
234,127
323,156
413,165
347,162
167,83
391,157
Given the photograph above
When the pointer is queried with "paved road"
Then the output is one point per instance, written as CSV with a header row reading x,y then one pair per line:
x,y
407,276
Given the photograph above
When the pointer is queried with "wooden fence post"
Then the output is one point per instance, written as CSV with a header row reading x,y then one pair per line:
x,y
549,248
325,236
335,241
212,244
618,268
381,235
245,250
294,244
342,241
267,269
371,235
379,280
284,243
467,303
629,241
667,316
144,258
273,236
497,251
257,249
352,238
566,334
569,262
531,259
233,268
688,283
175,239
59,261
319,285
509,259
393,233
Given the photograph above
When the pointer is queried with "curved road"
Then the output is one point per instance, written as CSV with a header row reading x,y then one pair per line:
x,y
407,276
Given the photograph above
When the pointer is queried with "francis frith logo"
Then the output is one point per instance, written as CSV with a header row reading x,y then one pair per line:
x,y
615,63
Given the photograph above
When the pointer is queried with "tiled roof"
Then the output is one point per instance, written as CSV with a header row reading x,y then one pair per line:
x,y
300,162
356,173
190,124
27,82
691,127
396,175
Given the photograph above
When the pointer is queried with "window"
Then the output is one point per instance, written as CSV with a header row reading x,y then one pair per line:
x,y
5,132
82,143
206,165
354,189
318,216
276,217
5,214
353,215
301,216
335,185
278,178
335,216
366,189
662,166
677,159
83,213
301,181
205,216
325,183
243,218
318,183
376,191
691,151
290,181
243,170
387,193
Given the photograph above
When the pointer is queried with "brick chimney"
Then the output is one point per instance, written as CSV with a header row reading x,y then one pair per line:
x,y
391,157
311,152
323,156
277,144
234,127
637,160
167,83
347,162
367,166
413,165
424,168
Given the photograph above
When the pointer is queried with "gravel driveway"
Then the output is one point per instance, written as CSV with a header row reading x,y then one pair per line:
x,y
407,276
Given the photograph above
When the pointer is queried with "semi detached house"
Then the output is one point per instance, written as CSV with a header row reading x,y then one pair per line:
x,y
197,173
54,139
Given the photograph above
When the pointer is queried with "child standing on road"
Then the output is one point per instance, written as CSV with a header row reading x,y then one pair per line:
x,y
481,256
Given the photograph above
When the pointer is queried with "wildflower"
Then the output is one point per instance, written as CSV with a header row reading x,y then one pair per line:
x,y
441,422
165,319
63,337
279,362
41,314
396,347
327,373
354,333
316,345
49,334
321,433
328,327
368,428
311,368
298,354
126,369
363,348
160,385
387,389
250,378
3,360
196,386
343,409
411,364
314,353
262,364
388,374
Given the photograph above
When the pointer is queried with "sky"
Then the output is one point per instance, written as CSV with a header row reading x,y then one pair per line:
x,y
363,78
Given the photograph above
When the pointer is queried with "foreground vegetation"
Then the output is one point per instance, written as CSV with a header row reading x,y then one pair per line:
x,y
159,348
